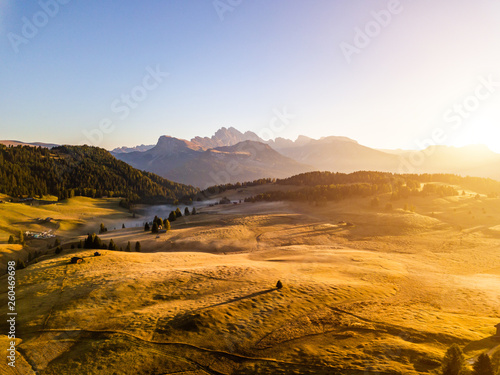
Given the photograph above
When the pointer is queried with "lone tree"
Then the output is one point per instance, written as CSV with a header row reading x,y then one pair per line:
x,y
194,211
146,227
11,239
483,365
155,227
102,228
453,361
279,284
138,246
123,226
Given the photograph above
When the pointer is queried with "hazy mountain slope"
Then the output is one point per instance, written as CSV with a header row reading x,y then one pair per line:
x,y
189,163
244,161
340,154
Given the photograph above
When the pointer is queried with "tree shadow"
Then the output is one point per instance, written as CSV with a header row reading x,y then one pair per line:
x,y
262,292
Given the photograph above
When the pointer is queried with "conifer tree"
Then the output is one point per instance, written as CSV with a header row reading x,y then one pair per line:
x,y
483,365
155,228
453,361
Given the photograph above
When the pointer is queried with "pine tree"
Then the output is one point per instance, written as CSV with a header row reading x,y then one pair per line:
x,y
58,250
146,227
166,225
279,284
102,228
194,211
21,237
155,227
138,246
128,247
186,212
453,361
172,216
178,212
57,242
483,365
11,239
123,226
112,245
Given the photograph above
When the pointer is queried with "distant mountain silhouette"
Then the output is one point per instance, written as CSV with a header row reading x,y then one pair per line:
x,y
226,137
34,144
125,149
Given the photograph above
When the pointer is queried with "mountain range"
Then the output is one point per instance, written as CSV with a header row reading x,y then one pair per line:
x,y
230,156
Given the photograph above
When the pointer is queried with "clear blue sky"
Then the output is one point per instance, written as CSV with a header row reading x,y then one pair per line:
x,y
237,67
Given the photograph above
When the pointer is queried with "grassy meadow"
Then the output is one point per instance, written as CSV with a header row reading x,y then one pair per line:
x,y
367,290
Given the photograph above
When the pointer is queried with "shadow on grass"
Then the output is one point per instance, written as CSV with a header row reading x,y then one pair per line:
x,y
484,344
262,292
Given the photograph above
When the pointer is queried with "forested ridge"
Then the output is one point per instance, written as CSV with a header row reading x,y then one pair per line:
x,y
322,186
67,171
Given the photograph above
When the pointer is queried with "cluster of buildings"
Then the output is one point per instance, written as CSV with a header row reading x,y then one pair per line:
x,y
39,235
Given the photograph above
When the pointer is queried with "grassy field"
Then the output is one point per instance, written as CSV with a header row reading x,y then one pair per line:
x,y
385,295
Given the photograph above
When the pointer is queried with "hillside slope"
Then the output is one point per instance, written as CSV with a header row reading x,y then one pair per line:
x,y
66,171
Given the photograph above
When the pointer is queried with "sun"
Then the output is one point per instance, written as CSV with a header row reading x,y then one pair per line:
x,y
479,134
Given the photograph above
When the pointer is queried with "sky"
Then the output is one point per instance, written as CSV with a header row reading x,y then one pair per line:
x,y
389,74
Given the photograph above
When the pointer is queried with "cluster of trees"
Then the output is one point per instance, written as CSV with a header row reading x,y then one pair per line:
x,y
94,242
328,186
454,363
68,171
20,239
159,223
322,193
217,189
402,192
411,181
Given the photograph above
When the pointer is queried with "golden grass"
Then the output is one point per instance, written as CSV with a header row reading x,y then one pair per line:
x,y
389,293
